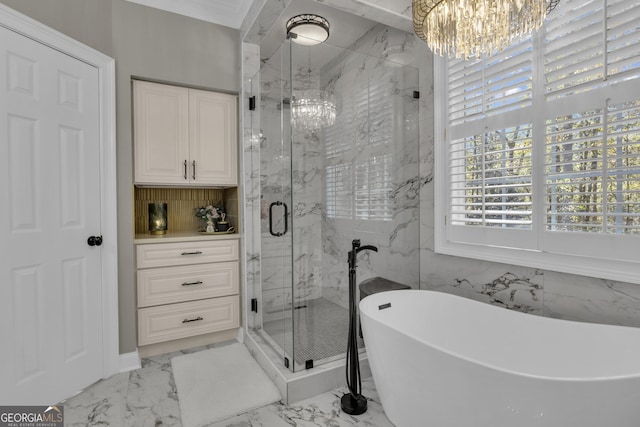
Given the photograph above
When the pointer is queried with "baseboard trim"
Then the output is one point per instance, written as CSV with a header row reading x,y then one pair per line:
x,y
130,361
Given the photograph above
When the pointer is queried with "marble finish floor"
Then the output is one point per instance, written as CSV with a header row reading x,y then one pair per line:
x,y
148,397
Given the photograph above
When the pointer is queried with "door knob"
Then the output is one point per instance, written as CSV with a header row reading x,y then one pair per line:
x,y
94,241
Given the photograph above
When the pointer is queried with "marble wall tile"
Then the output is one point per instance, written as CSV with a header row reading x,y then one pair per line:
x,y
260,18
515,288
397,239
392,13
589,299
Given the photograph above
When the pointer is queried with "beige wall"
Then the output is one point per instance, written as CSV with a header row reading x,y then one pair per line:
x,y
150,44
88,21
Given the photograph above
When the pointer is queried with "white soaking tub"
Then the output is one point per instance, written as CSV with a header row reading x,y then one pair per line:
x,y
441,360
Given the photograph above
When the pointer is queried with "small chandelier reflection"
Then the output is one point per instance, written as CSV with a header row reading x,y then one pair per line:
x,y
471,28
313,109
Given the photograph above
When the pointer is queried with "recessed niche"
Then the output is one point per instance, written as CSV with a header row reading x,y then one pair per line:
x,y
181,205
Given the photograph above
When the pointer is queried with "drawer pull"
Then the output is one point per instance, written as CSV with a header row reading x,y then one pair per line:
x,y
192,253
192,283
192,320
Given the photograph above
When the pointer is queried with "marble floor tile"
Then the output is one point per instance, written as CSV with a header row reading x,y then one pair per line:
x,y
321,410
152,398
102,403
147,397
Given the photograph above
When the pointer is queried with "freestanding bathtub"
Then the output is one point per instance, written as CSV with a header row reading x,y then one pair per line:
x,y
442,360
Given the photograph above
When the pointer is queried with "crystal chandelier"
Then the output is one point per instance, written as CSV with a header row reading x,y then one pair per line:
x,y
472,28
312,109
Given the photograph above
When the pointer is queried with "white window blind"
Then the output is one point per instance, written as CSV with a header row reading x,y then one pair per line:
x,y
491,186
479,89
358,154
543,143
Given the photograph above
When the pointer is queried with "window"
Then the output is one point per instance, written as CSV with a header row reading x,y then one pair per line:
x,y
540,164
358,152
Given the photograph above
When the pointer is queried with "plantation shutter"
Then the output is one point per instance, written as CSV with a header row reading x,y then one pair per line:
x,y
490,135
592,135
577,119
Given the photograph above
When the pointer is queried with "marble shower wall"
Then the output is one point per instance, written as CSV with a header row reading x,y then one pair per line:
x,y
397,237
319,244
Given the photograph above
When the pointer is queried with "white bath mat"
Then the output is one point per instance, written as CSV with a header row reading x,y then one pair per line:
x,y
219,383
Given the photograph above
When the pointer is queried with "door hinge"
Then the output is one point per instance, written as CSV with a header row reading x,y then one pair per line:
x,y
308,364
252,103
254,305
286,362
416,94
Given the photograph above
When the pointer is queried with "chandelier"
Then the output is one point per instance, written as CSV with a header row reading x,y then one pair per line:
x,y
471,28
313,109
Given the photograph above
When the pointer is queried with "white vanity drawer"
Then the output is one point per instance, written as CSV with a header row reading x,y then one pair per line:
x,y
178,284
174,321
186,253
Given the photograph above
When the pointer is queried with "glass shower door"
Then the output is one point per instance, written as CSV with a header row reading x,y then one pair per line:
x,y
275,203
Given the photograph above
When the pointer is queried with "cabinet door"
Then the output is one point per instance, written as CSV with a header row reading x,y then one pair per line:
x,y
161,132
213,138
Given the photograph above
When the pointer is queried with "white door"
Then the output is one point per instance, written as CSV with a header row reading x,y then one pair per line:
x,y
50,278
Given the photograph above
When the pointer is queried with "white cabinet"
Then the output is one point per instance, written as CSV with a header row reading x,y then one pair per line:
x,y
184,136
186,289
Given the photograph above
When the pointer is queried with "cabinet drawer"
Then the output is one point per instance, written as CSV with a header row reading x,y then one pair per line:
x,y
186,253
177,284
174,321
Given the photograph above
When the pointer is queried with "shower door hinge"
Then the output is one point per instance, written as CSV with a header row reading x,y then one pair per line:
x,y
416,94
308,364
286,362
252,103
254,305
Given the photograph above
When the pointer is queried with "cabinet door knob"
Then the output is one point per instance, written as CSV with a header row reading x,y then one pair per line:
x,y
194,170
185,170
94,240
192,253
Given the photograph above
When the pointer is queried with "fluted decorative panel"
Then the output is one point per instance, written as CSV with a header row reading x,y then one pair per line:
x,y
181,205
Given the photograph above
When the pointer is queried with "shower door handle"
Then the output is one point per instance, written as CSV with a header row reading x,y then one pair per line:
x,y
286,213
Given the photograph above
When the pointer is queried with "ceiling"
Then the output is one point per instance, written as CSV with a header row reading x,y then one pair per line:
x,y
231,13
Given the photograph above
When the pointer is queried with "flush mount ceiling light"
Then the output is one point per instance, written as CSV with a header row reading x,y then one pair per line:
x,y
309,29
471,28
